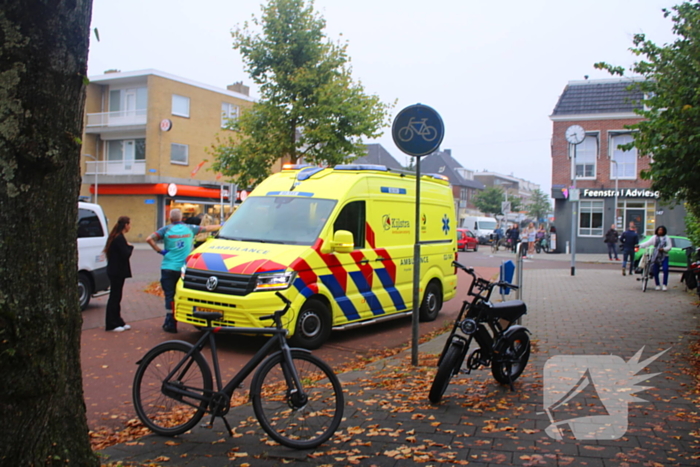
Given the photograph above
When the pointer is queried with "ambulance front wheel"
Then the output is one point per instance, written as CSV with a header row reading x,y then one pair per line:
x,y
432,302
313,325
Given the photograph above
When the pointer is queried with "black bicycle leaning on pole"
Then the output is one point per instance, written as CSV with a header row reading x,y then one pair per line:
x,y
296,396
503,345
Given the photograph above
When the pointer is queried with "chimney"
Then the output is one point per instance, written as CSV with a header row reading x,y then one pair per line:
x,y
239,87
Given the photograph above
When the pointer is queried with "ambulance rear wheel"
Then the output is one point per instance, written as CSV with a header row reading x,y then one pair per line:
x,y
432,302
313,325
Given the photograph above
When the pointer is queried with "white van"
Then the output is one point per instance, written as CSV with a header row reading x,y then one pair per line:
x,y
92,261
482,227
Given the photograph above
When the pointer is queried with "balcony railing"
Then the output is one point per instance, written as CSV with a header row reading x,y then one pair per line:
x,y
115,167
119,118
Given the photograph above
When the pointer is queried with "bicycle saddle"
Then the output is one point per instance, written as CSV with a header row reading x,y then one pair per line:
x,y
208,315
510,310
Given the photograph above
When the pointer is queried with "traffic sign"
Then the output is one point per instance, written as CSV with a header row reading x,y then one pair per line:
x,y
418,130
505,206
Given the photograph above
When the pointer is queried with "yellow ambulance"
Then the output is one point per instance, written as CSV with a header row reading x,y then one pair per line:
x,y
337,242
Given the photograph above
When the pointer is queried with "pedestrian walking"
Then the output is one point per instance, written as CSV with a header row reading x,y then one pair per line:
x,y
659,258
514,237
611,237
531,237
118,251
177,238
628,240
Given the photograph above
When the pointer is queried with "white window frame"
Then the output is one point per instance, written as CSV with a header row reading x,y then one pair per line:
x,y
177,103
591,206
229,112
187,153
612,149
590,137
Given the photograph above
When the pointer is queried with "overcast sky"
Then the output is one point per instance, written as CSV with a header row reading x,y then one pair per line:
x,y
493,70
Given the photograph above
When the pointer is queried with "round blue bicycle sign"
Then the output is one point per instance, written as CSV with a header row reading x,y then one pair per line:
x,y
418,130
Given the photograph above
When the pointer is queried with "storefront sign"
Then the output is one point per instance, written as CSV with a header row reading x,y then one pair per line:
x,y
622,193
165,125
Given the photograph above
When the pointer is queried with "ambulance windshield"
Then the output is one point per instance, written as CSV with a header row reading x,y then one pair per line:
x,y
291,220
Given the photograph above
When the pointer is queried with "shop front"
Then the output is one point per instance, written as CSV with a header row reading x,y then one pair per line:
x,y
598,209
149,205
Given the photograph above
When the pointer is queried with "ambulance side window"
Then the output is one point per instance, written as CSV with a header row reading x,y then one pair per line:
x,y
352,219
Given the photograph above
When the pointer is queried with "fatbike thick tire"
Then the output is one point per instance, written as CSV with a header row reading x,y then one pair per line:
x,y
514,354
449,366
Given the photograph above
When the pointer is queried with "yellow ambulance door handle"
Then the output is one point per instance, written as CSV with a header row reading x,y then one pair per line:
x,y
381,258
364,261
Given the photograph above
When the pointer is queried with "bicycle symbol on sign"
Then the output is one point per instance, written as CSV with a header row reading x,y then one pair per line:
x,y
420,128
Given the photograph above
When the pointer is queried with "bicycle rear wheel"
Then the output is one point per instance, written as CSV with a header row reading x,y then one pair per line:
x,y
514,355
449,366
645,276
171,415
285,415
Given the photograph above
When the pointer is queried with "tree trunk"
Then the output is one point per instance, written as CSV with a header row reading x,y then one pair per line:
x,y
42,94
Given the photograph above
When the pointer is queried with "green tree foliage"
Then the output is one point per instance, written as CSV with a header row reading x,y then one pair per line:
x,y
671,129
539,205
310,108
489,201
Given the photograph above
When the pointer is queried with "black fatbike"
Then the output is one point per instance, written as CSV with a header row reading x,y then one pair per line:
x,y
503,345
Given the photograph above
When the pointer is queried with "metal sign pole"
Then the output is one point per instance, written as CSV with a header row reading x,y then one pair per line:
x,y
416,272
418,131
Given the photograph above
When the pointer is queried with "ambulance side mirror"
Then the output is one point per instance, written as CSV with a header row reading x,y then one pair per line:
x,y
343,241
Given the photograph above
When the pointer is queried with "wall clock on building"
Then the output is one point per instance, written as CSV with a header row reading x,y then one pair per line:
x,y
575,134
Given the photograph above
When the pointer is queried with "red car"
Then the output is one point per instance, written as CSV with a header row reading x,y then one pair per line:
x,y
466,240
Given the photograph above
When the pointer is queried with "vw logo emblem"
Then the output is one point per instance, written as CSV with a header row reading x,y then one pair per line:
x,y
212,282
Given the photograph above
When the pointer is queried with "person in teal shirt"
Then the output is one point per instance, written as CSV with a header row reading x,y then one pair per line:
x,y
177,238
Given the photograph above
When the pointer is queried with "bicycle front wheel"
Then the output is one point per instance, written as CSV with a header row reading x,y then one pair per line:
x,y
171,414
300,418
449,366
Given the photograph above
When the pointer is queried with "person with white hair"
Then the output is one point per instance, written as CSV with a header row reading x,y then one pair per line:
x,y
177,238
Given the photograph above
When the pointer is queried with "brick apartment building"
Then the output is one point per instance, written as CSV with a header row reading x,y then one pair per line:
x,y
600,171
144,146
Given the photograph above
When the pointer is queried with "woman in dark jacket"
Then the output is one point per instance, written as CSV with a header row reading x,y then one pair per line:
x,y
118,252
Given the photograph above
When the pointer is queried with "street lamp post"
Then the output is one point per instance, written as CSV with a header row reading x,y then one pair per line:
x,y
96,172
575,135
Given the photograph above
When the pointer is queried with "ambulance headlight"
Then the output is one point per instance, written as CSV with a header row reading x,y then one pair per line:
x,y
183,271
275,281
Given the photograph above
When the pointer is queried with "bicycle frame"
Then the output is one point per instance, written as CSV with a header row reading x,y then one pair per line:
x,y
277,339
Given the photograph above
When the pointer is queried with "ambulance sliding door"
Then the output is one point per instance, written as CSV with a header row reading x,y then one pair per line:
x,y
390,216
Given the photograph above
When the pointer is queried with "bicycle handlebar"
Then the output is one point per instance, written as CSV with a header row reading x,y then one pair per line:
x,y
490,285
279,313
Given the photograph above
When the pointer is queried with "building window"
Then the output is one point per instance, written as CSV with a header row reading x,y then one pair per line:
x,y
229,113
181,106
590,219
126,150
626,166
179,153
586,156
128,102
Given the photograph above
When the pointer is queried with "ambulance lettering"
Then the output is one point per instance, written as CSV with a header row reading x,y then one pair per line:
x,y
395,224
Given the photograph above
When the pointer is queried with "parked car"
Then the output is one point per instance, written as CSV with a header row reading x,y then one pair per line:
x,y
466,240
92,262
676,257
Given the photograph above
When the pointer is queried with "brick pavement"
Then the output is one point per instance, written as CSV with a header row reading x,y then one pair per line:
x,y
389,422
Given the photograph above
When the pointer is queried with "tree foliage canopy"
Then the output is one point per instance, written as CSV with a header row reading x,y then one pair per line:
x,y
310,108
671,85
489,201
539,205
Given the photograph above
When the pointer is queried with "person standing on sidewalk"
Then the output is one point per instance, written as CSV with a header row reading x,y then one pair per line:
x,y
514,236
531,237
118,252
629,239
659,258
611,237
177,240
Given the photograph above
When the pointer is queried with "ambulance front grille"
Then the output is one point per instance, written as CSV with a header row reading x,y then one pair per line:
x,y
229,284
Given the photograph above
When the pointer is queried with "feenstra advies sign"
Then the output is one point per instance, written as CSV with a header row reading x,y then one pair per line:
x,y
621,193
